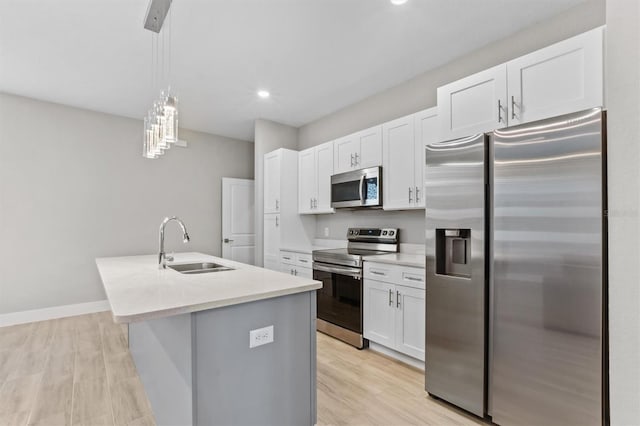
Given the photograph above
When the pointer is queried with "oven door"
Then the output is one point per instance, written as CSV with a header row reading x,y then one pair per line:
x,y
360,188
340,299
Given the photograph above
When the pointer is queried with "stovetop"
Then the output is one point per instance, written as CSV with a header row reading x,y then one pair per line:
x,y
362,242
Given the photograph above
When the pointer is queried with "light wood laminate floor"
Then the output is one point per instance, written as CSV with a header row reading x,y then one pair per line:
x,y
78,371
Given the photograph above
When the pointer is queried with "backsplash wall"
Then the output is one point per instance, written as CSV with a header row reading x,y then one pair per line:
x,y
410,223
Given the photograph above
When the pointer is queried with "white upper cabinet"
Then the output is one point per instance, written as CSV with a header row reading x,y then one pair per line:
x,y
426,123
272,166
562,78
403,143
324,170
315,167
474,104
344,151
398,139
358,151
306,180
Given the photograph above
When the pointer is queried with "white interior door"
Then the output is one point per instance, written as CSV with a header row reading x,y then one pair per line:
x,y
238,235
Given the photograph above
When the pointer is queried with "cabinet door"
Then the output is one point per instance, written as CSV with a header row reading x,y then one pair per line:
x,y
398,190
272,163
426,133
344,151
370,142
306,180
323,170
303,272
559,79
379,312
272,241
474,104
410,321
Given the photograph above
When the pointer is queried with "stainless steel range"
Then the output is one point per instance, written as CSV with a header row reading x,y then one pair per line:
x,y
340,270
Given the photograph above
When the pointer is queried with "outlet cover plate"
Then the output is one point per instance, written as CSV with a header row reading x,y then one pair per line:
x,y
260,336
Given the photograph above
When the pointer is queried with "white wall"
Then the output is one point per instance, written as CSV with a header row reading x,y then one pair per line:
x,y
623,104
269,136
74,186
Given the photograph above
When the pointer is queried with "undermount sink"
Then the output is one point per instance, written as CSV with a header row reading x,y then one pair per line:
x,y
199,268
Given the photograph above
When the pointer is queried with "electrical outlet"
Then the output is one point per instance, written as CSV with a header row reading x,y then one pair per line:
x,y
260,336
326,232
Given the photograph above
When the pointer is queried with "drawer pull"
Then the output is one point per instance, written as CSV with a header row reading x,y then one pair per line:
x,y
303,260
378,273
413,279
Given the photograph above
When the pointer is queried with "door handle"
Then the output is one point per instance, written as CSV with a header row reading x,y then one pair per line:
x,y
357,161
397,299
310,203
390,298
277,204
277,221
226,240
315,203
499,111
513,107
410,192
362,190
352,160
417,199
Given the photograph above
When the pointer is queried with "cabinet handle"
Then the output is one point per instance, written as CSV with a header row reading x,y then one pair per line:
x,y
277,204
277,221
310,203
417,197
513,107
295,272
303,261
499,111
378,273
352,160
390,298
315,203
410,192
286,258
357,161
413,279
398,299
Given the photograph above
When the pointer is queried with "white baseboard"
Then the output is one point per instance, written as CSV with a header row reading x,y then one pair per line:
x,y
53,312
397,355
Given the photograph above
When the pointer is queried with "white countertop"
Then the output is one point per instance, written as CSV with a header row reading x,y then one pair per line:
x,y
137,290
404,259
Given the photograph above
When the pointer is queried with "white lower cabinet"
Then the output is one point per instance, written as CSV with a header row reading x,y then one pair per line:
x,y
394,314
298,264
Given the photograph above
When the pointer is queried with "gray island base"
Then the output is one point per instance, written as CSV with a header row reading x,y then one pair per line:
x,y
234,347
198,369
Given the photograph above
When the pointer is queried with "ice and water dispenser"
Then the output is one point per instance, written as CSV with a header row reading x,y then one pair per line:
x,y
453,252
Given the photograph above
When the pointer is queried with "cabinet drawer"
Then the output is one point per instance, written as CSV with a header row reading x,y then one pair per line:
x,y
381,272
396,274
287,258
304,260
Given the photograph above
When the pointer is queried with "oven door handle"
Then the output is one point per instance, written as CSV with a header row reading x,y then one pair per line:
x,y
354,273
362,190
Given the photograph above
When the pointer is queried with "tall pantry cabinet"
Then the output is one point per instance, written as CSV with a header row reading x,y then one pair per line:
x,y
283,227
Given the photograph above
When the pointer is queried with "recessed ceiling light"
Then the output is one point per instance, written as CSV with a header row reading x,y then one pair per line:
x,y
398,2
263,94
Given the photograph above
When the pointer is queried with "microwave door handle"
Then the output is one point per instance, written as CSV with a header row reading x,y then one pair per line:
x,y
362,190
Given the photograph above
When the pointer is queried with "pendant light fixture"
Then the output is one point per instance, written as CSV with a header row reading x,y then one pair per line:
x,y
161,122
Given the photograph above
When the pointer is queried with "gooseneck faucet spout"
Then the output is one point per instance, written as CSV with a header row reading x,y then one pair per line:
x,y
162,258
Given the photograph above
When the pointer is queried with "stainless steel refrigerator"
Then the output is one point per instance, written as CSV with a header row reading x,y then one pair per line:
x,y
516,272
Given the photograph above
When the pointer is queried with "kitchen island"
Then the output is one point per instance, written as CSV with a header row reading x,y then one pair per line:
x,y
189,335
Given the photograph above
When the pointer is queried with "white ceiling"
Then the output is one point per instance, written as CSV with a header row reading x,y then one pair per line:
x,y
315,56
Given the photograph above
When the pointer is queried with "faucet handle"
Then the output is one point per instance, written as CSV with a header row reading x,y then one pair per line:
x,y
169,258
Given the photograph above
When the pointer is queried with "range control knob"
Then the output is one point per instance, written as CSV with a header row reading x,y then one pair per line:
x,y
391,233
384,232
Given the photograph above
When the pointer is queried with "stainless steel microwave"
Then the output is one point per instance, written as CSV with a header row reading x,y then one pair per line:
x,y
356,189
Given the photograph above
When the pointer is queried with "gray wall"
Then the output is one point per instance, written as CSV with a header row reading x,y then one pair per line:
x,y
420,93
74,186
623,103
269,136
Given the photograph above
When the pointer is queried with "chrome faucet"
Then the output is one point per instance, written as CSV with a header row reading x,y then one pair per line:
x,y
162,257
